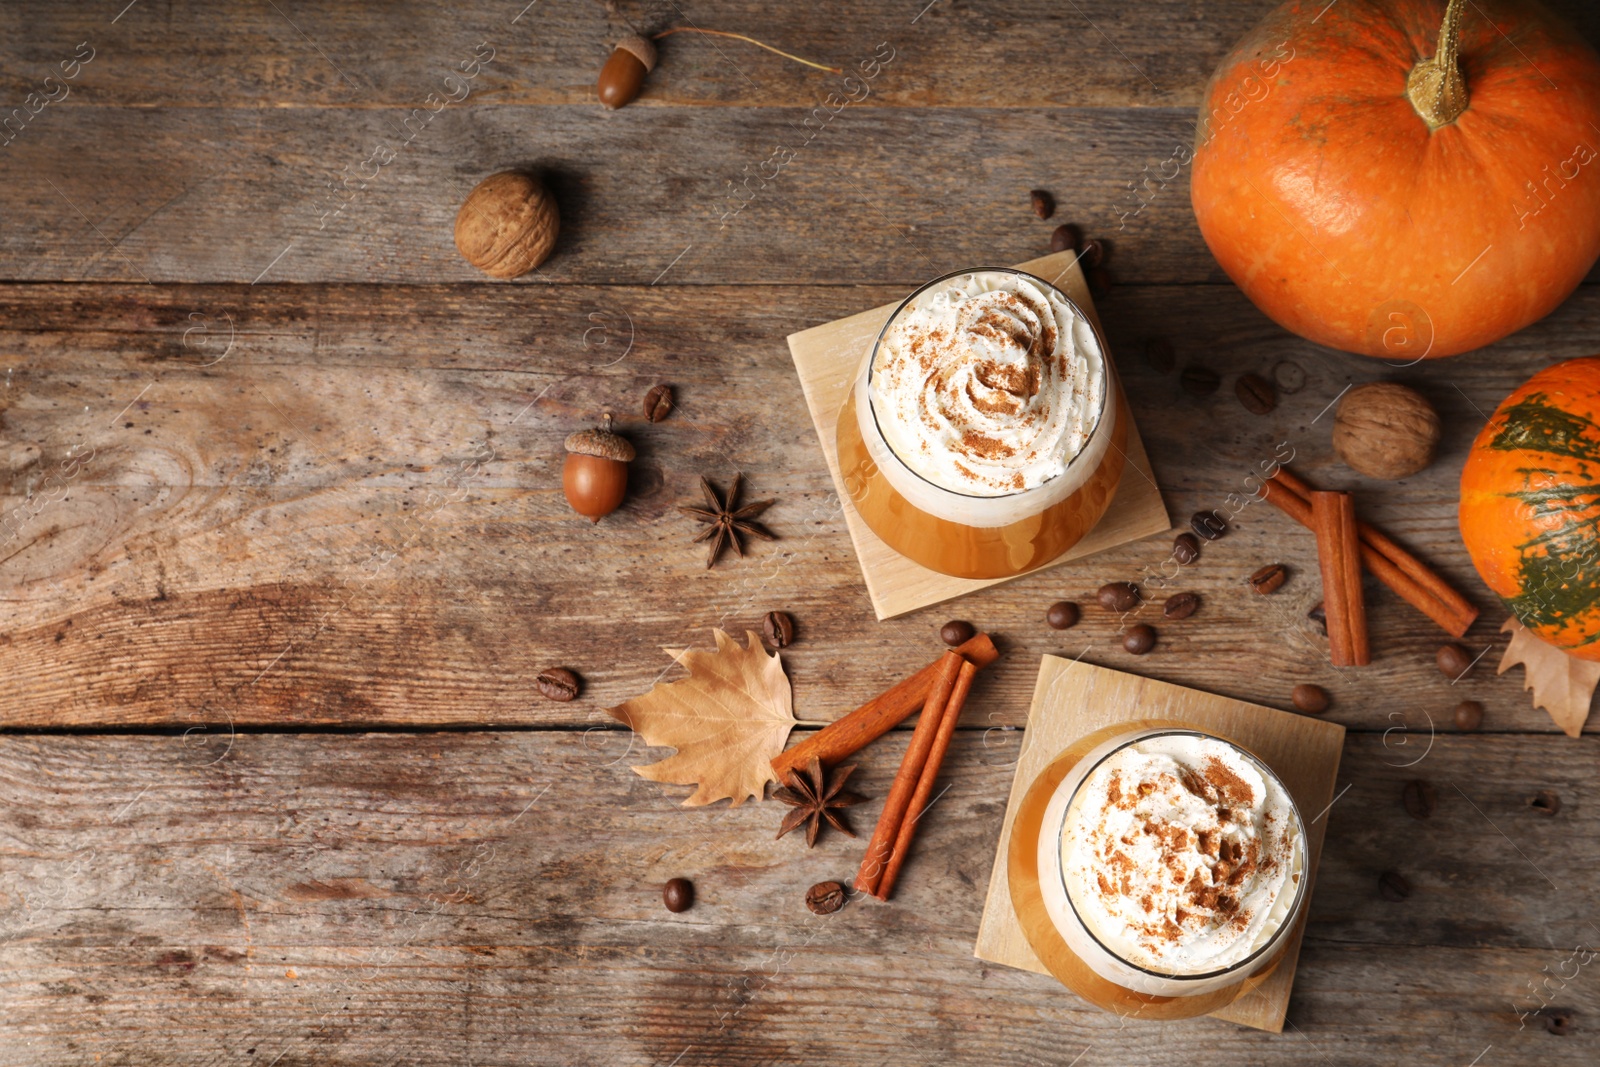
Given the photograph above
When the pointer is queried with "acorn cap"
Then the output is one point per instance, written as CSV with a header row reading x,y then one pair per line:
x,y
642,48
602,443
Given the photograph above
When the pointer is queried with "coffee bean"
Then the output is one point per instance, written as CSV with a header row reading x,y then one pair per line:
x,y
1199,381
1545,802
1392,887
955,632
658,403
1469,715
1453,660
678,895
1186,548
778,629
1158,353
1062,615
1139,639
1095,252
1311,699
1044,205
825,898
1065,238
1289,376
1118,596
1180,605
1269,579
1255,393
1099,278
1208,524
1557,1021
1419,799
1319,615
558,683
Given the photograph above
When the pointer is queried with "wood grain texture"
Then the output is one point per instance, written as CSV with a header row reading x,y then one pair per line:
x,y
193,194
329,55
196,194
281,501
495,898
1033,54
307,529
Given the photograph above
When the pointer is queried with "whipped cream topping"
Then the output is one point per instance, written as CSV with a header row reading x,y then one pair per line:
x,y
1180,856
988,384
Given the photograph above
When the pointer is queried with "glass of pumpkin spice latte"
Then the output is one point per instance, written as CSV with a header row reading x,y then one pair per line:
x,y
986,433
1173,862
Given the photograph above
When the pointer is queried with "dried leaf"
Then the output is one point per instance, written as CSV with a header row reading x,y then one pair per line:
x,y
727,720
1563,685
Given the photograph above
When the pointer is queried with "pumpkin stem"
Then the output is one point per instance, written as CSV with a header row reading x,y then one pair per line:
x,y
1437,88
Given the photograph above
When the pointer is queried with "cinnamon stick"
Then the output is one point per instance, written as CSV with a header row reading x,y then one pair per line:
x,y
1434,585
1281,495
1333,520
884,834
930,773
1407,576
879,715
1455,606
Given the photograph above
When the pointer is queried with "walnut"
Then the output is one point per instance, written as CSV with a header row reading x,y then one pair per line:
x,y
1385,430
508,224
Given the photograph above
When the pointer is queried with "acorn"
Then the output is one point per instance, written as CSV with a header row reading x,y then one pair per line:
x,y
623,75
595,477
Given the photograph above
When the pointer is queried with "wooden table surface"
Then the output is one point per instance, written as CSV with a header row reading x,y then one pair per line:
x,y
285,546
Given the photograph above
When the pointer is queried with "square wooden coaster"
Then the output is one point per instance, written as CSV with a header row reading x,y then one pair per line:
x,y
1073,699
829,357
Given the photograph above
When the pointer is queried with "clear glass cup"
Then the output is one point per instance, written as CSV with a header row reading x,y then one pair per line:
x,y
979,536
1140,982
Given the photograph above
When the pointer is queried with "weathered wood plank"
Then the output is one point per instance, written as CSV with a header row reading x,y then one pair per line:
x,y
338,55
676,197
488,897
205,194
1034,54
272,512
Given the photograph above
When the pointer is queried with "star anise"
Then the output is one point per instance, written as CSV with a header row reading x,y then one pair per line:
x,y
725,522
813,799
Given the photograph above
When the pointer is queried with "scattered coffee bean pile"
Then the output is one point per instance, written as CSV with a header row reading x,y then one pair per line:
x,y
1258,393
1067,237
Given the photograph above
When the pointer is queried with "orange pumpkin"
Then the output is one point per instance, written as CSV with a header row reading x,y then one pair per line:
x,y
1530,505
1374,197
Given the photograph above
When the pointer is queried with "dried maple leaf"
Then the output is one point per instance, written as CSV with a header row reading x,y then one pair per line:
x,y
1563,685
727,720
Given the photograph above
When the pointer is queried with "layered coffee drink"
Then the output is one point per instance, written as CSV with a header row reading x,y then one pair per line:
x,y
985,434
1180,862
